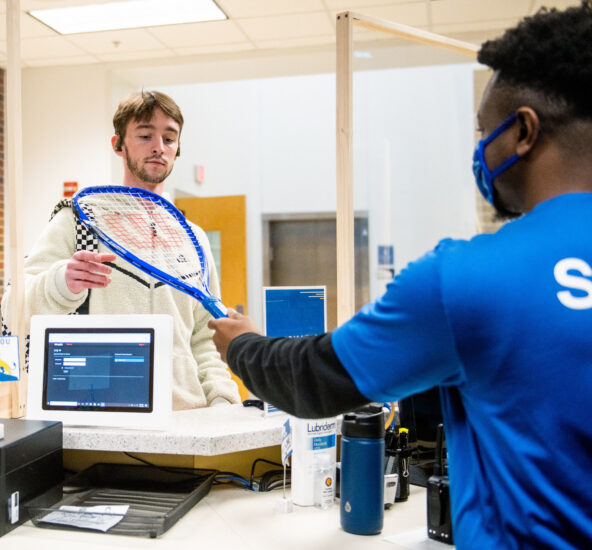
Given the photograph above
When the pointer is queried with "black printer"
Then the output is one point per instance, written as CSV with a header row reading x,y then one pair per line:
x,y
31,468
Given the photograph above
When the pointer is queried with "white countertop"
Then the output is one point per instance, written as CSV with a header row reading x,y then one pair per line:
x,y
203,432
232,518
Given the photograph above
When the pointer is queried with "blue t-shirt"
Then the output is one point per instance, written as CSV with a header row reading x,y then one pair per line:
x,y
503,324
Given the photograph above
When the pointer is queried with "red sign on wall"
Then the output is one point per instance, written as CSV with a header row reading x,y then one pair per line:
x,y
70,188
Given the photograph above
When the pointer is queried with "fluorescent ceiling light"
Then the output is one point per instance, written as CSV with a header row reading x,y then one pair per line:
x,y
128,15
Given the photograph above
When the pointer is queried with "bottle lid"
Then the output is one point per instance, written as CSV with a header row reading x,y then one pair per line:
x,y
367,423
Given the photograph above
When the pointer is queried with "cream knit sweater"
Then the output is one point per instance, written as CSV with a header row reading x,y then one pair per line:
x,y
199,375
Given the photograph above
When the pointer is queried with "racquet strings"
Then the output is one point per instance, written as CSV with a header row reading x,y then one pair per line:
x,y
148,231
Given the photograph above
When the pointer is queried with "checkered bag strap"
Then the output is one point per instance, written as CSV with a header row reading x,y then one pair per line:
x,y
85,239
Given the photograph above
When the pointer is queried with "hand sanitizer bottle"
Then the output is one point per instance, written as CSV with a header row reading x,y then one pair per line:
x,y
324,482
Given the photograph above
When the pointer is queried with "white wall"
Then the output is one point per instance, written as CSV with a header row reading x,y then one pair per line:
x,y
413,131
65,137
273,139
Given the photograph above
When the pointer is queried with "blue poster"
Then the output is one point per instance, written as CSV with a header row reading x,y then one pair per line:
x,y
294,311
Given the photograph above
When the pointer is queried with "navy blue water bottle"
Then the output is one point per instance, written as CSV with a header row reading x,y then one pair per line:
x,y
362,471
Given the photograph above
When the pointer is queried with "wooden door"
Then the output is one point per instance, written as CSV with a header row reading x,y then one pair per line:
x,y
227,217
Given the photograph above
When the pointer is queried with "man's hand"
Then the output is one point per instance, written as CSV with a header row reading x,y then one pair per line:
x,y
228,328
86,270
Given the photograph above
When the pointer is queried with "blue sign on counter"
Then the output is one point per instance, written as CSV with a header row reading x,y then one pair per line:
x,y
295,311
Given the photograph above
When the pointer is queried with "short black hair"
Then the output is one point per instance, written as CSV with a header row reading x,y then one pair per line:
x,y
549,53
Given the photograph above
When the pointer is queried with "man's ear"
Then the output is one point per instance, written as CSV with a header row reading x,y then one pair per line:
x,y
116,143
529,128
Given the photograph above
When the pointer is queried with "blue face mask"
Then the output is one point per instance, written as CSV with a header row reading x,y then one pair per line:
x,y
483,175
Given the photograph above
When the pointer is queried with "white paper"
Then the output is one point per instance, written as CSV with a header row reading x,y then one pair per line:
x,y
100,518
417,540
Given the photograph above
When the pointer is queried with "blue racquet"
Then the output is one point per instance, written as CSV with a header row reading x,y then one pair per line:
x,y
150,233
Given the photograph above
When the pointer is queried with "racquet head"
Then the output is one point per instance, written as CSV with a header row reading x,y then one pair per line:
x,y
148,231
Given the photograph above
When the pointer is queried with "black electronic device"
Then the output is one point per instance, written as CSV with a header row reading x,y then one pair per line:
x,y
397,459
30,468
438,496
103,369
403,454
421,413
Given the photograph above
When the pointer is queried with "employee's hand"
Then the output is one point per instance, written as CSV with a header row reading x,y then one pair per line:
x,y
228,328
86,269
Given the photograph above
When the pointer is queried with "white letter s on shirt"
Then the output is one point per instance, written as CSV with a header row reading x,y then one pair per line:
x,y
574,281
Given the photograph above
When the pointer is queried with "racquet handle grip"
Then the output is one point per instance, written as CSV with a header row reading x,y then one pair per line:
x,y
215,307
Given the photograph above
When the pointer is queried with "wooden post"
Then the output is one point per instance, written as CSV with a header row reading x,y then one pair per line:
x,y
345,167
345,164
14,196
413,34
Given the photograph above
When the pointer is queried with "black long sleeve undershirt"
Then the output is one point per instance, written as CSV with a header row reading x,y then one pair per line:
x,y
301,376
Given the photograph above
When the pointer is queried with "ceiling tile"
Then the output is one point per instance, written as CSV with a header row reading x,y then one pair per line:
x,y
198,34
48,47
113,42
488,27
130,55
560,4
414,14
360,5
262,24
220,48
47,4
295,42
460,11
263,8
284,27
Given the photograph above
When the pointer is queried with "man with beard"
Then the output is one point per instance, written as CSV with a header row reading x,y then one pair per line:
x,y
68,271
501,324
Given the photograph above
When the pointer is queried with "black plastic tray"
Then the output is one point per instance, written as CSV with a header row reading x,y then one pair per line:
x,y
157,497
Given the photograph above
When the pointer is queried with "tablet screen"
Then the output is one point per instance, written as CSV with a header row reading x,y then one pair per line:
x,y
99,369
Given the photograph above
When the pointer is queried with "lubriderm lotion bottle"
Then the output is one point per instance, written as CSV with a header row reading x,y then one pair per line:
x,y
310,440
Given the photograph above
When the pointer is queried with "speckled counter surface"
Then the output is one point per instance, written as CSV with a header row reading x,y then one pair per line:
x,y
204,432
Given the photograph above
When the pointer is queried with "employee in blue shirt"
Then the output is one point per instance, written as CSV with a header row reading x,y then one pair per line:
x,y
501,323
